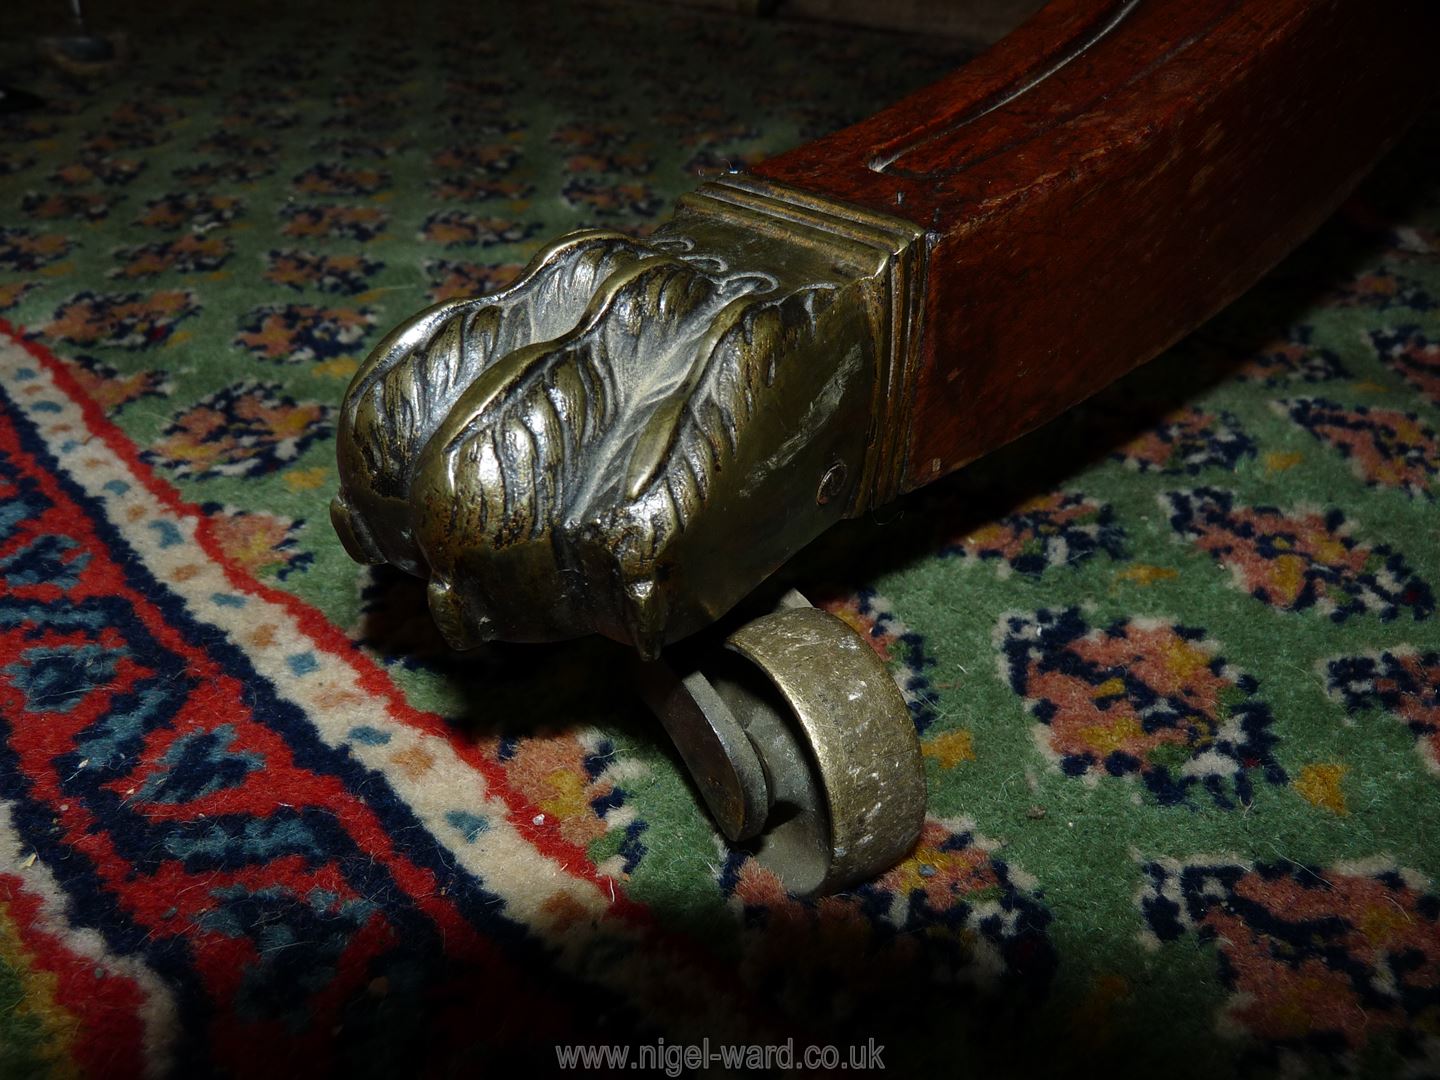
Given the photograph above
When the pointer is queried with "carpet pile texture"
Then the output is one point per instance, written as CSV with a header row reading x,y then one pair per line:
x,y
1174,660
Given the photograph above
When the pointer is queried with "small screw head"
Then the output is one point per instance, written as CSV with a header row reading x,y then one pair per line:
x,y
831,483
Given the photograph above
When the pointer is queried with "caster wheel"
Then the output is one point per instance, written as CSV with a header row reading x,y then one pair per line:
x,y
801,744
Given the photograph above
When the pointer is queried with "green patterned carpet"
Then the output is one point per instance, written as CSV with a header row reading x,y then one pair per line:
x,y
1174,659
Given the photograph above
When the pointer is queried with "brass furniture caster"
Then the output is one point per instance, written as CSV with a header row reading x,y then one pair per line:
x,y
801,744
636,433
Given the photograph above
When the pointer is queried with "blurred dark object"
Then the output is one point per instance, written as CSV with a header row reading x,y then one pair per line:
x,y
14,101
83,52
982,21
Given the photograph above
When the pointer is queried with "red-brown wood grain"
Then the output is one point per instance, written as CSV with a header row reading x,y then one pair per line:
x,y
1109,176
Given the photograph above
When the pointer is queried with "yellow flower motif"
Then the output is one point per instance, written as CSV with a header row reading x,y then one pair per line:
x,y
1275,461
307,479
1144,574
569,798
1319,785
1185,659
951,748
1121,734
342,367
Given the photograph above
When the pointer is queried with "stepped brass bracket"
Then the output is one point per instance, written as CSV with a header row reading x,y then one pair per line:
x,y
638,432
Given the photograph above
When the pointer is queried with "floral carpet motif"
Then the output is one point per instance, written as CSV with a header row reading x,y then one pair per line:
x,y
1174,661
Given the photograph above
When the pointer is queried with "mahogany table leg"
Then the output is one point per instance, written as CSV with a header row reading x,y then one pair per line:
x,y
636,433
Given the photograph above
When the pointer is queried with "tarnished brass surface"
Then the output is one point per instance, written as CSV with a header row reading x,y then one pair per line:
x,y
637,432
847,784
800,742
712,741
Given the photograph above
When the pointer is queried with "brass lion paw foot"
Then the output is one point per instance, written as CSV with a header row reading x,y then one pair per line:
x,y
637,432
